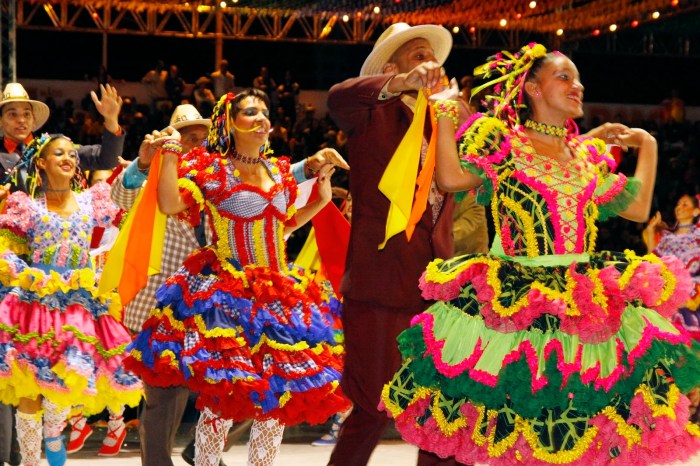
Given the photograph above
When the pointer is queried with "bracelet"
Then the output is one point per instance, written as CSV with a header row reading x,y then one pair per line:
x,y
447,109
172,145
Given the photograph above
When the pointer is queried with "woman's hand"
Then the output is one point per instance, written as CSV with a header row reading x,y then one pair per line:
x,y
609,132
634,137
445,92
325,192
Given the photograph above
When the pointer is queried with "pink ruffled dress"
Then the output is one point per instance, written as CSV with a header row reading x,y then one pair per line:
x,y
545,351
59,338
686,247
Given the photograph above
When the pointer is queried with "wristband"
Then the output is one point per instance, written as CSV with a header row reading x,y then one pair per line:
x,y
447,109
172,145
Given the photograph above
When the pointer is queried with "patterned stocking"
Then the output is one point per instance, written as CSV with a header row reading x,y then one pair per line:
x,y
210,438
54,423
29,437
264,443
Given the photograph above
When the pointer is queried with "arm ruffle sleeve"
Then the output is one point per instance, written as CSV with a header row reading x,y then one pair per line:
x,y
15,223
484,145
614,192
199,168
104,209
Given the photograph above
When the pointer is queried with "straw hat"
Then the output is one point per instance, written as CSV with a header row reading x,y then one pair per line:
x,y
14,92
187,115
398,34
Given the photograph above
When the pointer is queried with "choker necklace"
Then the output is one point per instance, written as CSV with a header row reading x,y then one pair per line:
x,y
49,190
244,158
549,130
685,226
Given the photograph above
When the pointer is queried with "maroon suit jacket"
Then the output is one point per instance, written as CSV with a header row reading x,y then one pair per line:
x,y
387,277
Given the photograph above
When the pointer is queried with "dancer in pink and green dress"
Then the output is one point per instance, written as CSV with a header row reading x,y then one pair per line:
x,y
545,351
61,342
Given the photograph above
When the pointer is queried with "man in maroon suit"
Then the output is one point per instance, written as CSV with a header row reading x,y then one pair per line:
x,y
380,287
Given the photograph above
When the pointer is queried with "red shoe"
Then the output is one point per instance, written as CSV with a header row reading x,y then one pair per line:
x,y
79,433
114,440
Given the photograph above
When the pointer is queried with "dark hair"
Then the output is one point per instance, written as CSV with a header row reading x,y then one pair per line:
x,y
219,137
34,151
525,112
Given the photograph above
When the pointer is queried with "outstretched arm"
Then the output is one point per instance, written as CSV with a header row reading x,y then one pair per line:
x,y
645,172
449,174
325,194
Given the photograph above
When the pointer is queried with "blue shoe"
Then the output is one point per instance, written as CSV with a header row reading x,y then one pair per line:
x,y
330,439
55,450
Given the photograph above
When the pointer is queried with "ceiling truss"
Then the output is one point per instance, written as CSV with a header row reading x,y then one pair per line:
x,y
234,23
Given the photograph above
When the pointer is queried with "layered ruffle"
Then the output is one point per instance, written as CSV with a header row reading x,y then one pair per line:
x,y
255,343
587,299
59,339
535,364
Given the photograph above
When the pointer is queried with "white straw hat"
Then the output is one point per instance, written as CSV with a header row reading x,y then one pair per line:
x,y
398,34
14,92
187,115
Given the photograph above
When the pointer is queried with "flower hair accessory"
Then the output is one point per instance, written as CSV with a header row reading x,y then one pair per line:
x,y
27,167
509,72
219,131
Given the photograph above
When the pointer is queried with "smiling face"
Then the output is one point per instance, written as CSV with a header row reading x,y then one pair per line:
x,y
556,92
59,161
686,209
17,120
251,122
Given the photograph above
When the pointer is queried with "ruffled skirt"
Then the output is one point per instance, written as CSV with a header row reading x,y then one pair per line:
x,y
536,365
253,342
60,340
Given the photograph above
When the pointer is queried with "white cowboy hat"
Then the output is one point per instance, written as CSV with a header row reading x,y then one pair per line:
x,y
187,115
398,34
14,92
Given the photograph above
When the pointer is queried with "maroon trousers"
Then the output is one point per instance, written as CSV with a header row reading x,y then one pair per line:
x,y
371,359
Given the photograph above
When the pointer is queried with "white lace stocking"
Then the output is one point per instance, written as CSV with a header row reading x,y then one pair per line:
x,y
210,438
54,423
29,437
264,443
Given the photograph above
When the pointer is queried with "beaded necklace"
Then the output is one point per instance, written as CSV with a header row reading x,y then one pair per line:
x,y
549,130
244,158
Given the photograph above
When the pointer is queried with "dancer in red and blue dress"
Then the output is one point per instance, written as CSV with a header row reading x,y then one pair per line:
x,y
61,342
252,335
546,351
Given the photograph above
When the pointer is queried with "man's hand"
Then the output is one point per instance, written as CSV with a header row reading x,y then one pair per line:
x,y
151,143
323,157
109,106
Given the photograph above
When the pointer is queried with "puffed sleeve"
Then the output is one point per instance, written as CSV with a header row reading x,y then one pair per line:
x,y
484,147
17,223
200,174
104,210
614,192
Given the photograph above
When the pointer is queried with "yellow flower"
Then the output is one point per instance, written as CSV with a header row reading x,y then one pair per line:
x,y
538,50
236,172
66,234
45,218
47,235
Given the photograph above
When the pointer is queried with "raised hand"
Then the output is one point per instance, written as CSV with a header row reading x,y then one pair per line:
x,y
109,106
